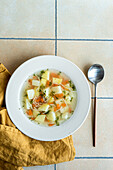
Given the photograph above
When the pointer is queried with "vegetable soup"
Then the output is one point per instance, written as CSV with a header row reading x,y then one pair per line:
x,y
49,97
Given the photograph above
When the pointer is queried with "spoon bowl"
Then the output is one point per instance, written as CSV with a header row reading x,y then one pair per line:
x,y
95,73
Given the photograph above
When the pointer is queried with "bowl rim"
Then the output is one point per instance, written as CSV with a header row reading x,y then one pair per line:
x,y
27,62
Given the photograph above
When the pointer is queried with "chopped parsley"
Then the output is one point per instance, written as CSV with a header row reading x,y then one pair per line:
x,y
52,93
47,112
72,85
71,99
42,72
59,72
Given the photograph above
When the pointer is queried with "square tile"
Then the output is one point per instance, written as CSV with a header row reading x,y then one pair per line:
x,y
86,53
27,18
86,165
83,138
13,52
85,19
46,167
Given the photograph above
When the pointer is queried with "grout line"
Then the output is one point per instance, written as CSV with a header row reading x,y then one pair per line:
x,y
103,97
56,39
54,166
101,157
83,39
27,38
56,27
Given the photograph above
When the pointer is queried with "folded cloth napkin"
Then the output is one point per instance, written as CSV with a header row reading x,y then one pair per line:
x,y
18,150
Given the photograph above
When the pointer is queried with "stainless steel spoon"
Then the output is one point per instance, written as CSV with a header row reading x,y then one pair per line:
x,y
95,75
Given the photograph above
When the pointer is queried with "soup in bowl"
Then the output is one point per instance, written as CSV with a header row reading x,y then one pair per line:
x,y
49,97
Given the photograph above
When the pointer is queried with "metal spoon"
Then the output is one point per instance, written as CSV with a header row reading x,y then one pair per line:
x,y
95,75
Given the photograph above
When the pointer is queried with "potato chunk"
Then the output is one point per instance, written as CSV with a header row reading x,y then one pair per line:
x,y
40,118
44,108
51,116
30,94
57,81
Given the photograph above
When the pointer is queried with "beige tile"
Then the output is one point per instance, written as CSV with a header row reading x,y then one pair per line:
x,y
47,167
85,19
27,18
86,165
83,137
86,53
14,53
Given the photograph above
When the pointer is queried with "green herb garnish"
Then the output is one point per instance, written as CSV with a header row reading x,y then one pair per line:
x,y
42,72
52,93
59,72
71,99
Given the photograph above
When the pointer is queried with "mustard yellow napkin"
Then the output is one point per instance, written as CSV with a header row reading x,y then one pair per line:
x,y
18,150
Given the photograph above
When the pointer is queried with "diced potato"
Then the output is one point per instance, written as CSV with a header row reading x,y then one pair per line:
x,y
57,81
68,86
68,99
51,99
35,112
64,109
51,116
46,75
57,89
35,83
47,91
73,94
43,107
65,115
59,101
36,91
28,105
43,82
40,118
30,94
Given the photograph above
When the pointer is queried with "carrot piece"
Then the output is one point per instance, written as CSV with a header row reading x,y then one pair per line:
x,y
55,85
51,103
30,112
55,75
70,109
58,106
63,104
47,84
55,108
42,100
59,95
64,82
51,124
46,119
30,81
32,118
33,105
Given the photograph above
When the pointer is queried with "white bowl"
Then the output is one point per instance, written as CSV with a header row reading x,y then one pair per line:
x,y
13,103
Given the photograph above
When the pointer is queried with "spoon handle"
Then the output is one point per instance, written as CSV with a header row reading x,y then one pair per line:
x,y
95,121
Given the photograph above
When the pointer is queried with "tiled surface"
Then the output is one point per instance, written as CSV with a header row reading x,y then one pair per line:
x,y
83,137
85,19
81,31
27,18
14,52
86,165
47,167
86,53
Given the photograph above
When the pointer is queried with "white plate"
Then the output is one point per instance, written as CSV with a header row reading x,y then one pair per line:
x,y
13,98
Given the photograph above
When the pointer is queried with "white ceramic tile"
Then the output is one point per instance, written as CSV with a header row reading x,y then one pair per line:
x,y
46,167
86,53
86,165
83,137
85,19
27,18
14,53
